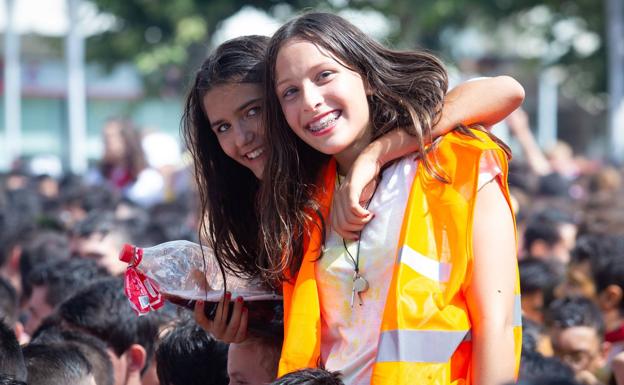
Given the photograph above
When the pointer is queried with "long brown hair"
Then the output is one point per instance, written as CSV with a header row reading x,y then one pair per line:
x,y
227,190
408,89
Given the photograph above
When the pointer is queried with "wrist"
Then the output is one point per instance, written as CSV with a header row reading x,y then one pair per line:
x,y
374,152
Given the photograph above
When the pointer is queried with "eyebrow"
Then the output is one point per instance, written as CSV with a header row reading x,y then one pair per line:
x,y
240,108
330,61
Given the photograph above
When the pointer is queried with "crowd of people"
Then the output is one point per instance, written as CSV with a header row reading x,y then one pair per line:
x,y
259,191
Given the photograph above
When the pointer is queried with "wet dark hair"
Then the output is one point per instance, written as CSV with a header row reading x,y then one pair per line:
x,y
407,88
310,376
188,355
570,312
227,189
56,364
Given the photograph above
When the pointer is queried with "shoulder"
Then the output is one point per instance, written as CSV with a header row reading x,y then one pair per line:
x,y
458,155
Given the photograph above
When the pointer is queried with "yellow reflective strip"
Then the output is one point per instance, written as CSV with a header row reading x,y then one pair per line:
x,y
434,270
427,346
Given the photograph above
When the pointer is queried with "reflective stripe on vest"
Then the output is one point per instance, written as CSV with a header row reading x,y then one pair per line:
x,y
431,346
434,270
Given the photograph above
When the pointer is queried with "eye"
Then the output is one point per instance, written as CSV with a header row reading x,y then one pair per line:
x,y
289,92
222,128
324,75
253,111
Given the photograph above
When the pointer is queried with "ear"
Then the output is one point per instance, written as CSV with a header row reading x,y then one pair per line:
x,y
14,257
538,249
21,335
136,357
610,297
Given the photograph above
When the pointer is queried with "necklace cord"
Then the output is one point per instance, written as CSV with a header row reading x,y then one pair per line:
x,y
356,260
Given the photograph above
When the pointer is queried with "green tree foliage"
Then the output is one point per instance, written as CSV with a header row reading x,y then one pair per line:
x,y
168,39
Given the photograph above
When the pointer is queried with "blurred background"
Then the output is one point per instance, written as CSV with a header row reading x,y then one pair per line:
x,y
69,66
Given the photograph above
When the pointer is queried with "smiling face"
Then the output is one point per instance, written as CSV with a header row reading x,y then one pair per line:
x,y
234,112
323,101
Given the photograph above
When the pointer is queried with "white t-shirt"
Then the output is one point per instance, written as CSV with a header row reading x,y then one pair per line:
x,y
349,335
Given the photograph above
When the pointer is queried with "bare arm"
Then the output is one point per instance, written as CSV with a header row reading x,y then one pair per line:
x,y
490,293
485,101
518,123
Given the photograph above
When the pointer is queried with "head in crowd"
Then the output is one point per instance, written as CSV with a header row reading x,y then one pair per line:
x,y
539,370
51,283
102,310
11,358
537,284
42,247
577,331
589,253
123,157
91,347
254,361
186,355
100,237
223,130
57,364
608,273
309,377
550,235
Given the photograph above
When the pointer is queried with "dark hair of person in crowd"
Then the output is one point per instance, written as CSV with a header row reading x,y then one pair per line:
x,y
227,189
531,335
608,267
44,246
310,376
9,380
11,357
8,302
569,312
187,355
91,347
537,369
101,309
537,283
63,278
56,364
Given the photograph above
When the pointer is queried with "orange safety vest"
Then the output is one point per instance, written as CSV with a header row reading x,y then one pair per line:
x,y
425,330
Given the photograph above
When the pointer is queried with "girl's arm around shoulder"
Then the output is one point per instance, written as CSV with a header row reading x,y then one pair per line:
x,y
485,101
490,293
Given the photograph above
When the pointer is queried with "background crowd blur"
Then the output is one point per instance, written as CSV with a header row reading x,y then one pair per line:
x,y
63,221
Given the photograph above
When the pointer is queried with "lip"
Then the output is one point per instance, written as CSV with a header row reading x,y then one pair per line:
x,y
259,148
319,117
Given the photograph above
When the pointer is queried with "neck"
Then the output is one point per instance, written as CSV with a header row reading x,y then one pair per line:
x,y
345,158
612,319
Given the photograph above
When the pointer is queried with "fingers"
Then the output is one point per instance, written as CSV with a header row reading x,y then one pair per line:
x,y
224,327
241,334
235,320
200,317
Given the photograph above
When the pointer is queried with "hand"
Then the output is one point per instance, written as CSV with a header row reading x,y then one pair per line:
x,y
585,377
234,331
349,215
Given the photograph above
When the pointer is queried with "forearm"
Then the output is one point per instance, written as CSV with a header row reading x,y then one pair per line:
x,y
493,358
484,101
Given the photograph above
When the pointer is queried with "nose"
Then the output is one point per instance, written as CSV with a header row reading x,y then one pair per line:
x,y
244,135
312,97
